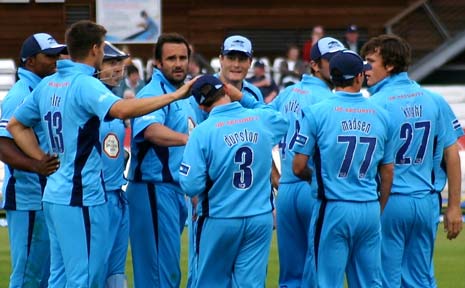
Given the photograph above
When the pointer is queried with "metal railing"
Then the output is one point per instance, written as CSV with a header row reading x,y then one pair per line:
x,y
434,29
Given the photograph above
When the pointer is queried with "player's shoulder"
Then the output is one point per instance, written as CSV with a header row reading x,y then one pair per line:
x,y
153,88
17,92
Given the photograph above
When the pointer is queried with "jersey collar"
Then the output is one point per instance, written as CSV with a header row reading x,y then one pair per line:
x,y
233,106
31,78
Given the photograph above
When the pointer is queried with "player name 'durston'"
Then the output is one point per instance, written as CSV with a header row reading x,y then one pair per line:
x,y
354,124
241,136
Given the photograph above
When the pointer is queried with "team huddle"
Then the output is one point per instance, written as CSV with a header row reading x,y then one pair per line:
x,y
358,189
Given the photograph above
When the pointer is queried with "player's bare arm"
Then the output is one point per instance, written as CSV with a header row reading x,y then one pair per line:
x,y
386,173
234,93
275,176
25,139
163,136
130,108
13,156
453,215
300,168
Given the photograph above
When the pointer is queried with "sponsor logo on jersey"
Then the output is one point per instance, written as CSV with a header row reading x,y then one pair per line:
x,y
111,145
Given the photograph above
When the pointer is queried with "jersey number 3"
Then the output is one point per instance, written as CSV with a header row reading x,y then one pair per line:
x,y
55,130
243,178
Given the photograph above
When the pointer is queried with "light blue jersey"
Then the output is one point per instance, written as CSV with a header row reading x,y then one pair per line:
x,y
440,174
226,164
418,121
309,91
73,136
410,217
150,162
22,190
112,138
296,198
349,137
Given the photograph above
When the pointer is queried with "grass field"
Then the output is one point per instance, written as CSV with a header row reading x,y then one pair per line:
x,y
449,261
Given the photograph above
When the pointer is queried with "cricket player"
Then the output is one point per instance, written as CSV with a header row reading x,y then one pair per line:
x,y
112,135
23,189
157,205
227,163
296,197
69,105
348,137
420,121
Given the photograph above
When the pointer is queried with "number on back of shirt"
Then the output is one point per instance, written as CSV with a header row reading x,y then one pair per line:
x,y
354,146
408,132
243,178
282,144
55,130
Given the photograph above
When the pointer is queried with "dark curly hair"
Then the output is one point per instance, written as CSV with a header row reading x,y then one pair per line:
x,y
394,51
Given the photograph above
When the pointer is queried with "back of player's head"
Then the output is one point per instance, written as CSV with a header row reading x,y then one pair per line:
x,y
82,36
207,90
237,43
394,51
345,66
170,38
325,48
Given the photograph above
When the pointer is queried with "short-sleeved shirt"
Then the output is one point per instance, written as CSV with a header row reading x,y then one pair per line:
x,y
152,162
70,105
227,161
290,102
418,121
21,190
348,136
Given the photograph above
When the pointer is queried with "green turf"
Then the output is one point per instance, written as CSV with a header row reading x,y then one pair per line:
x,y
449,261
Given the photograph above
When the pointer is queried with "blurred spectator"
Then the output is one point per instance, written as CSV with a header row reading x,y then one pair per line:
x,y
317,33
202,63
194,68
266,85
292,67
131,84
351,40
133,61
149,69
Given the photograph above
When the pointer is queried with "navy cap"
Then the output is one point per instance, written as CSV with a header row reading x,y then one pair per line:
x,y
41,43
347,65
237,43
259,63
111,52
325,48
352,28
205,87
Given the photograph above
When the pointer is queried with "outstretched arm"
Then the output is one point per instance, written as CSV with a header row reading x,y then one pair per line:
x,y
130,108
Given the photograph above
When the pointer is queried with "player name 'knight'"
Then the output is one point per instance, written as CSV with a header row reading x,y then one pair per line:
x,y
241,136
415,111
354,124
